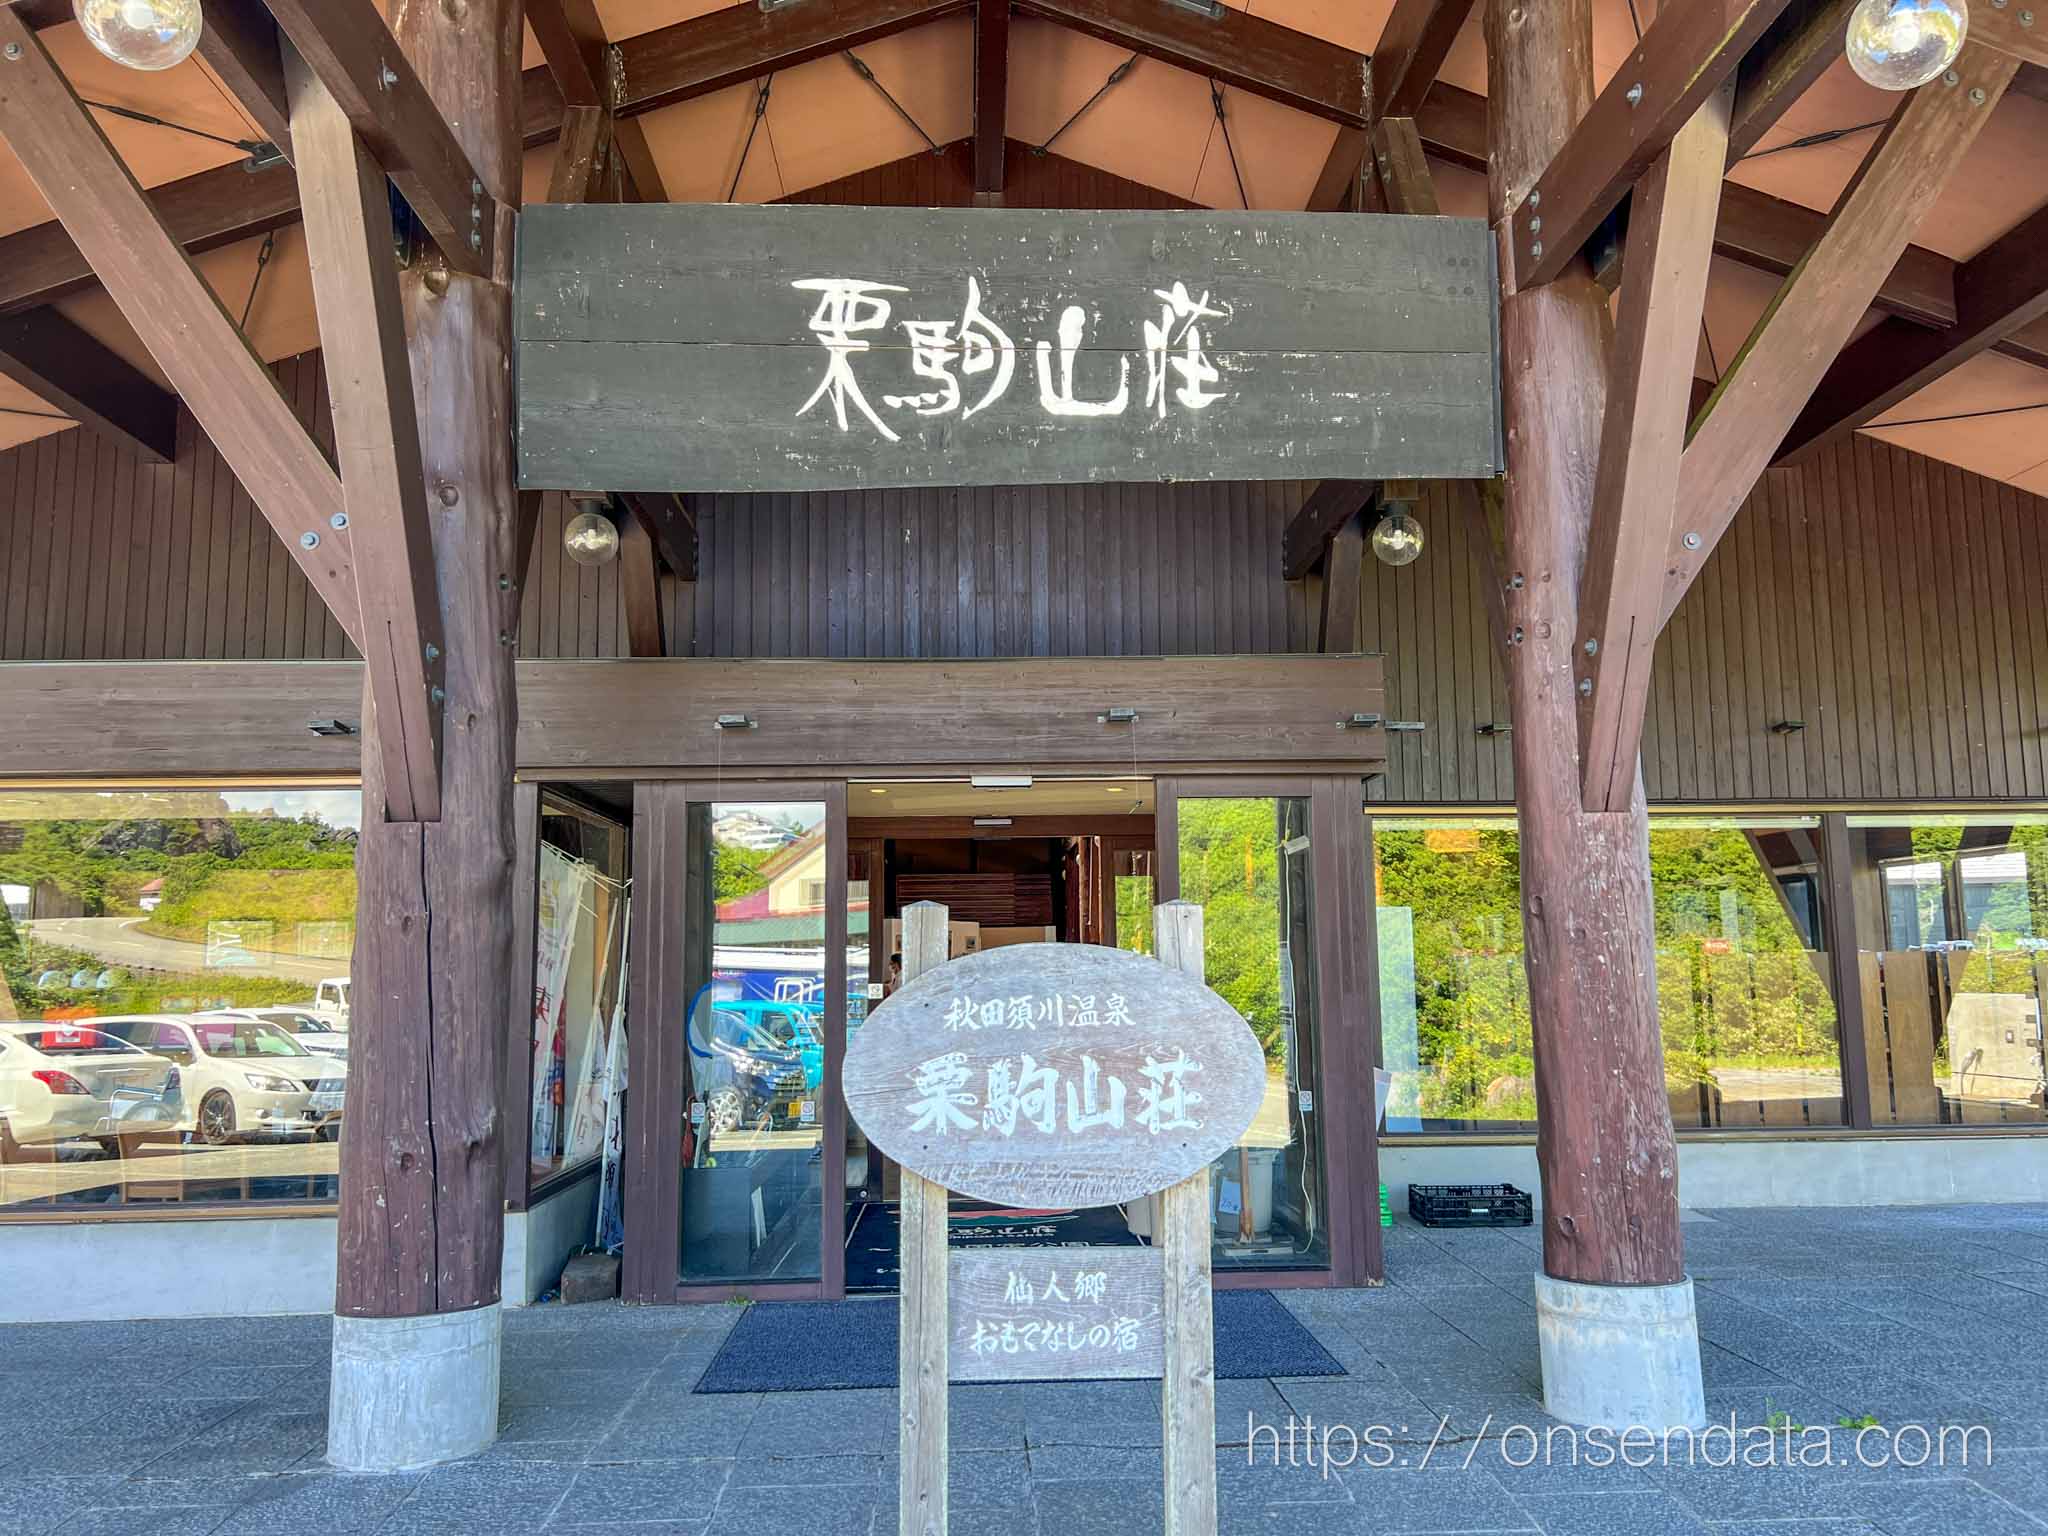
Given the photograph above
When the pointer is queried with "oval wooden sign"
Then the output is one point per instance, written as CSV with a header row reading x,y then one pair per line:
x,y
1054,1075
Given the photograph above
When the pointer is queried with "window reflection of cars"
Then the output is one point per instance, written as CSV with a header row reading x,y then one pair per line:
x,y
320,1033
331,998
75,1082
243,1077
755,1061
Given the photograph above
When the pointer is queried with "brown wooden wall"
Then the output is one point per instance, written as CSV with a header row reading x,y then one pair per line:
x,y
1896,605
102,556
1892,603
1036,571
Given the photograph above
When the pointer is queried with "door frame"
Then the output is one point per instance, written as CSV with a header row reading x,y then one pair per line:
x,y
666,926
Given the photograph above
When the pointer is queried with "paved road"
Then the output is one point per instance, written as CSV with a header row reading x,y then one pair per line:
x,y
117,941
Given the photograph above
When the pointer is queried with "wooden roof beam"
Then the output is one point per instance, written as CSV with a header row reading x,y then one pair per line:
x,y
572,40
671,524
1816,309
72,371
1642,437
209,361
202,213
1684,57
1413,45
239,44
1237,48
1310,530
991,96
348,45
742,42
584,68
1797,50
377,440
1998,291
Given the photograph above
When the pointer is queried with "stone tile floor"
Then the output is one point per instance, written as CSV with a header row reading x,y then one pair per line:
x,y
1917,1318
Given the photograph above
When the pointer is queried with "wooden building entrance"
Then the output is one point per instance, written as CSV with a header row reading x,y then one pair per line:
x,y
764,905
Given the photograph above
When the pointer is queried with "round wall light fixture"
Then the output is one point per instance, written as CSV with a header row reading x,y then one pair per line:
x,y
590,537
1397,538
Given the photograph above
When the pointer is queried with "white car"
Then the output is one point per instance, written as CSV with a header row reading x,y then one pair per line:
x,y
242,1077
73,1081
315,1031
331,1000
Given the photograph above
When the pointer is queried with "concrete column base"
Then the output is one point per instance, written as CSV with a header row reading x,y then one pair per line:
x,y
412,1392
1620,1355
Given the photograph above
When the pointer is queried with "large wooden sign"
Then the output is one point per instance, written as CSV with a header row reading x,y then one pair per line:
x,y
1054,1074
711,347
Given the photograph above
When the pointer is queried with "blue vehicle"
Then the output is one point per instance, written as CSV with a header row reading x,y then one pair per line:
x,y
754,1061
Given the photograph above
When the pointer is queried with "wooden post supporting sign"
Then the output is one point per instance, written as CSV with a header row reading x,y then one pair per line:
x,y
1056,1075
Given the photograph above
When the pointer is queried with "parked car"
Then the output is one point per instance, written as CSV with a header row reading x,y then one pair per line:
x,y
331,999
242,1077
757,1061
74,1081
315,1031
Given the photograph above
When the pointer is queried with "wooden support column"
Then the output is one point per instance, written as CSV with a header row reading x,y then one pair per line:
x,y
640,589
991,97
422,1179
1604,1142
1343,574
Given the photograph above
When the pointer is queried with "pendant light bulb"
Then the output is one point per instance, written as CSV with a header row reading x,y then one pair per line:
x,y
142,34
1397,539
1898,45
591,538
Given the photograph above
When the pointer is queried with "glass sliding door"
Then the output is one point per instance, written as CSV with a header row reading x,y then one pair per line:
x,y
764,983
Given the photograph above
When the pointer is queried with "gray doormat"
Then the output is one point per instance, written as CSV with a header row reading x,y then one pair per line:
x,y
824,1346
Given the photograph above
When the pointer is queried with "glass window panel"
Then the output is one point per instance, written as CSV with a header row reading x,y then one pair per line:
x,y
1454,1023
1751,1036
174,994
1953,968
755,971
578,982
1749,1025
1135,899
1247,862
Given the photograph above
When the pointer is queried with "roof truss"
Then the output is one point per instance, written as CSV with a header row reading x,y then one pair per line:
x,y
231,393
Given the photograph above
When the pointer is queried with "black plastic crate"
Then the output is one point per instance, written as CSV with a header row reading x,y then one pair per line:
x,y
1470,1205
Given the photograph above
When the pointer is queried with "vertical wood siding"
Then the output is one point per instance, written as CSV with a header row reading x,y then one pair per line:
x,y
1892,603
101,556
